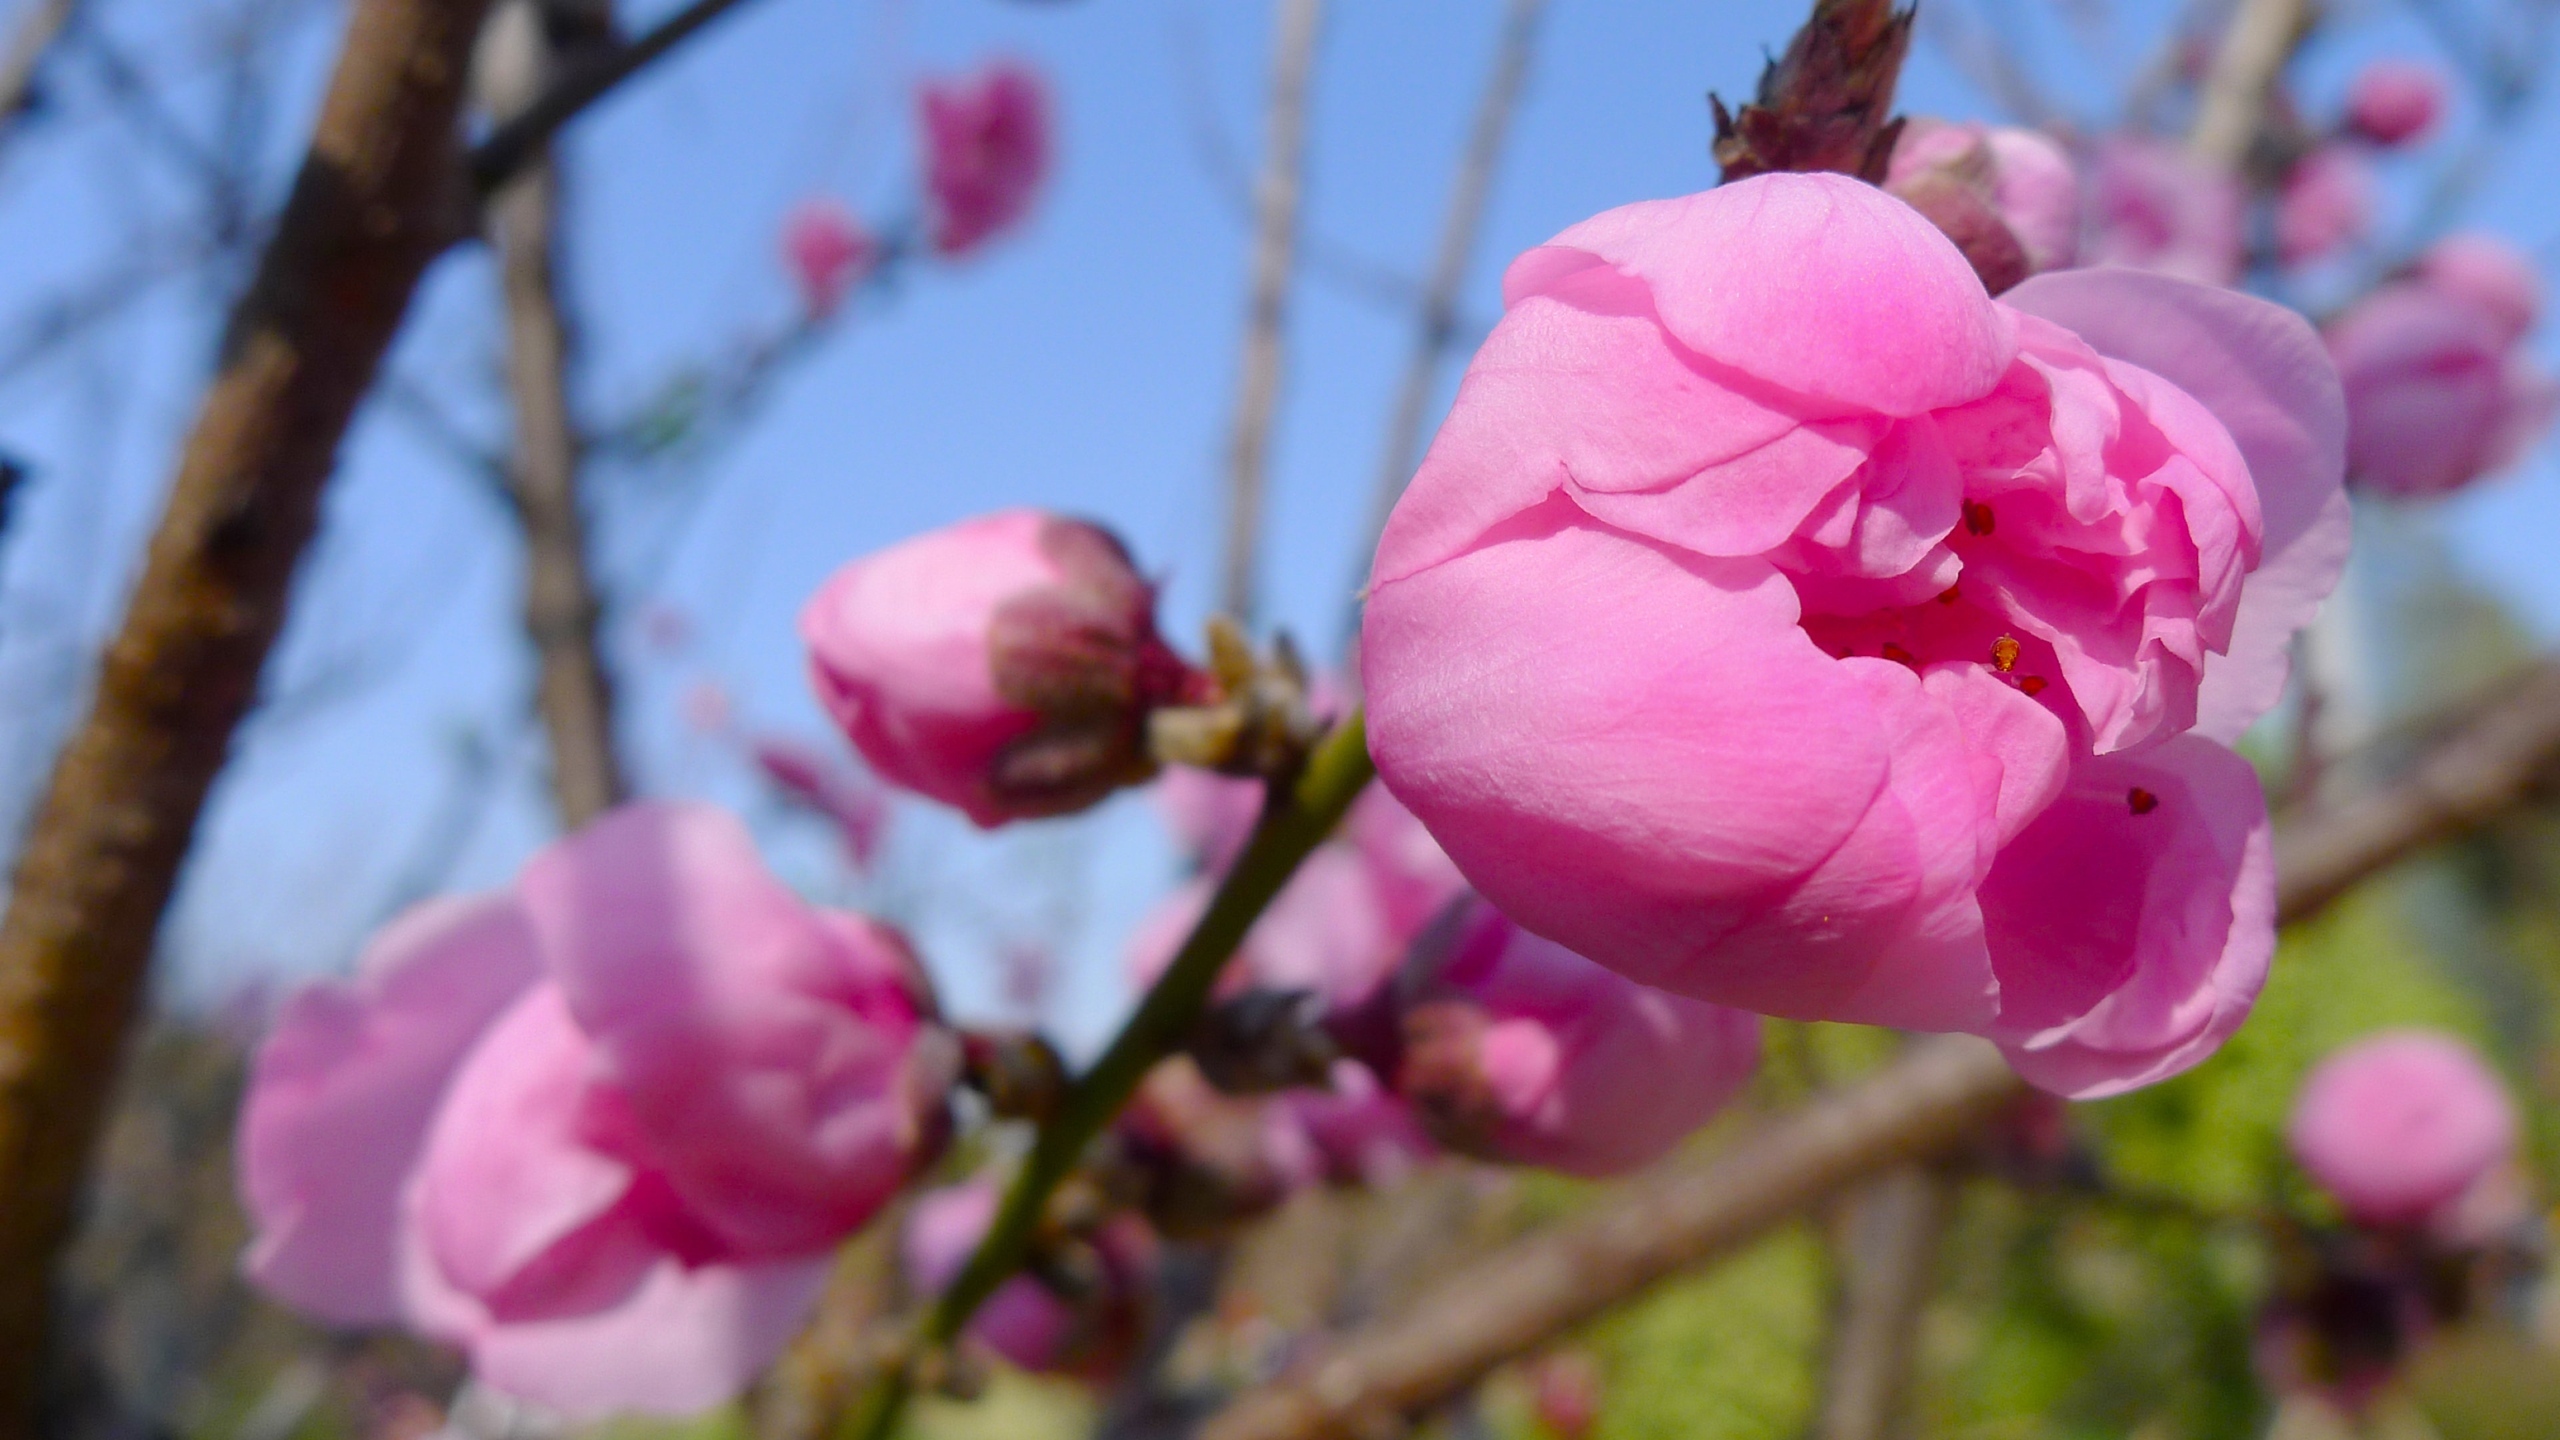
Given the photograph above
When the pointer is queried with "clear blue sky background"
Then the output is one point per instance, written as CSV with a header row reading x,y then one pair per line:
x,y
1087,364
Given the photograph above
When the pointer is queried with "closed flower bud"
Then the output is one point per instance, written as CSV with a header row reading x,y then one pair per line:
x,y
1005,665
987,139
2393,102
1518,1050
2007,197
829,252
2402,1126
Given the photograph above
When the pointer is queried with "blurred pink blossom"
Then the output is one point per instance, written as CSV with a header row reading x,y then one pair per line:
x,y
2394,102
1004,665
2156,208
2440,391
828,788
2009,198
1565,1391
2401,1126
602,1130
1023,1321
1520,1051
1865,651
706,708
829,252
1355,1130
2325,206
987,150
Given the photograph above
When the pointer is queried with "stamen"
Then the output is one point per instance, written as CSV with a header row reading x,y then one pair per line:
x,y
1978,517
1948,596
2032,686
2142,801
1900,656
2004,654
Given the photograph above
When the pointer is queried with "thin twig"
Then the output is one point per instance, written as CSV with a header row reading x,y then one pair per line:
x,y
515,144
1891,1234
2260,39
573,689
1671,1218
1296,817
370,208
33,40
1274,249
1436,330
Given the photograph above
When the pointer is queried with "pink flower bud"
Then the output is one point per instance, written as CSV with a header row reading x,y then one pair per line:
x,y
2156,208
2400,1126
2325,206
1005,665
2394,102
828,252
2008,198
1519,1050
602,1130
1358,1131
2439,390
986,153
1810,647
1565,1390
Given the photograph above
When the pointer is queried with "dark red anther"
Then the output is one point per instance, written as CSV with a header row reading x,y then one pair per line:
x,y
1978,517
2142,801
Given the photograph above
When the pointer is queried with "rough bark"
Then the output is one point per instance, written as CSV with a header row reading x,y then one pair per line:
x,y
374,202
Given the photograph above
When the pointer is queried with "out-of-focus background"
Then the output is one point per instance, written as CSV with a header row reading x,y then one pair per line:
x,y
1087,362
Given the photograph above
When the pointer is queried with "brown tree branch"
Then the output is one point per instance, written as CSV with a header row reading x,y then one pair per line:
x,y
2255,46
519,141
1276,196
371,207
1693,1208
574,692
1890,1236
33,40
1436,331
1679,1214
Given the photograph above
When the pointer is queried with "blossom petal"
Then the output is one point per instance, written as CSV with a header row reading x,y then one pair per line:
x,y
2265,375
344,1089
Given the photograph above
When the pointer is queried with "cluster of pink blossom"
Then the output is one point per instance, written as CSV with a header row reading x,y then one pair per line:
x,y
986,154
1820,602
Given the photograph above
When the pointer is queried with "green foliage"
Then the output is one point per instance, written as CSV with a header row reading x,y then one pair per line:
x,y
1724,1355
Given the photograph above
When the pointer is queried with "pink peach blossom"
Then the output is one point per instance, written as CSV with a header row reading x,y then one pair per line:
x,y
1519,1050
1005,665
2402,1125
2326,205
1354,1131
1768,580
2394,102
1962,175
601,1130
986,153
2157,208
829,252
2439,391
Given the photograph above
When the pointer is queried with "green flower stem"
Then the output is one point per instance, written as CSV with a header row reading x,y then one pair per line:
x,y
1295,819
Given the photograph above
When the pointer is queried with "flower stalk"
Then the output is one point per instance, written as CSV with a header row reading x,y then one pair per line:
x,y
1298,813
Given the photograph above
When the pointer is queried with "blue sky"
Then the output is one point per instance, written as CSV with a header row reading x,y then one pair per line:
x,y
1087,364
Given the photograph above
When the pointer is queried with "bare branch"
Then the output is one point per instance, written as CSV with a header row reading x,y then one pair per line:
x,y
2474,773
1890,1236
561,611
1274,255
516,143
1671,1218
1436,334
19,63
370,208
2261,38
